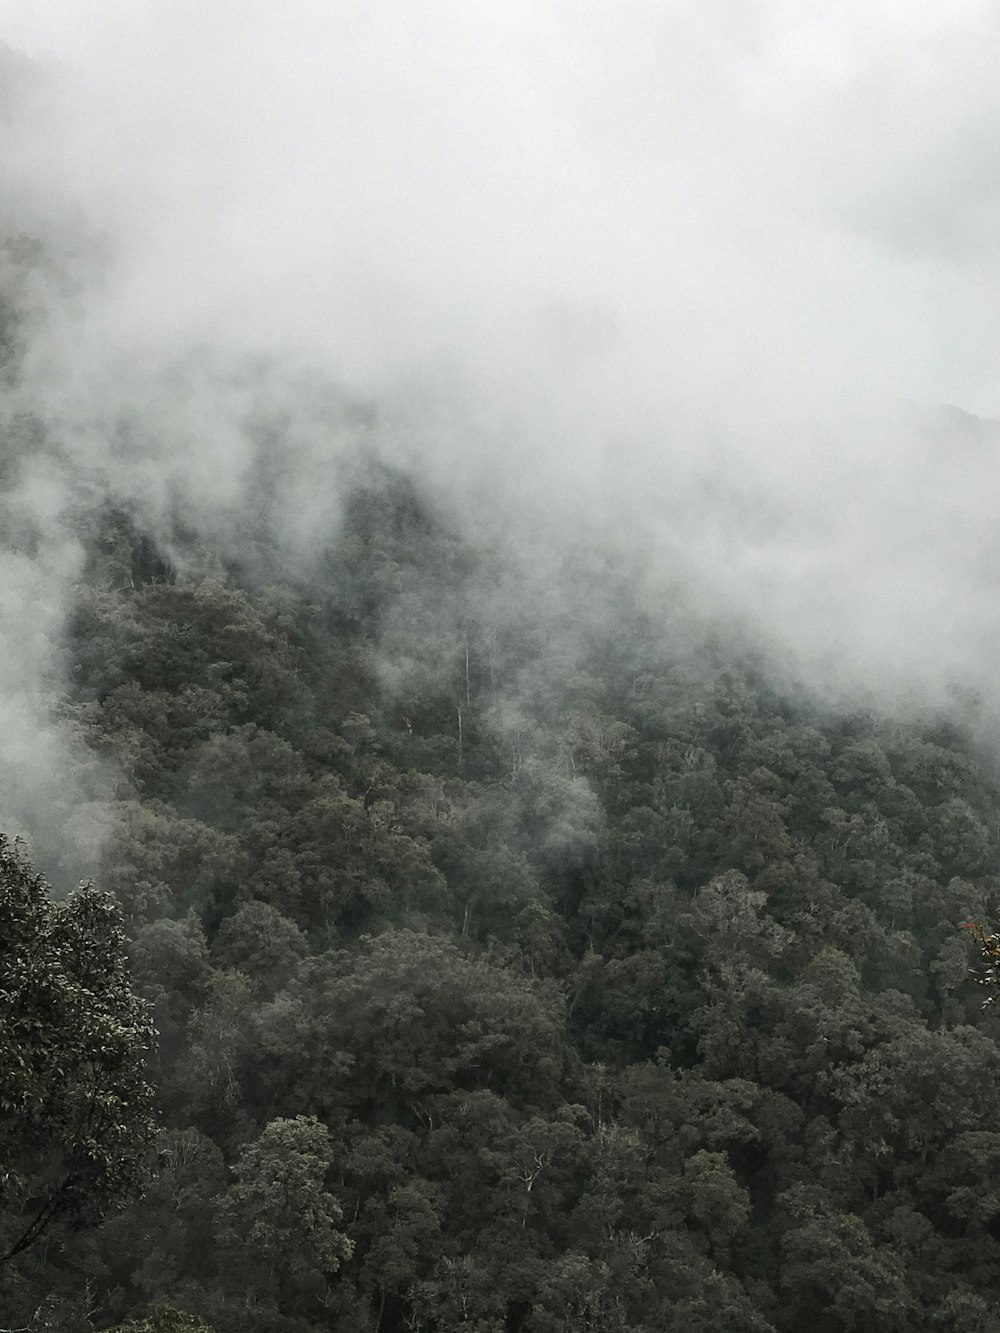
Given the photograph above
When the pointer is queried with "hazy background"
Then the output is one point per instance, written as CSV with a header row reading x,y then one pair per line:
x,y
690,196
701,275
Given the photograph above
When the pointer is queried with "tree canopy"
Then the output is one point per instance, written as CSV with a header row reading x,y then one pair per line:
x,y
540,961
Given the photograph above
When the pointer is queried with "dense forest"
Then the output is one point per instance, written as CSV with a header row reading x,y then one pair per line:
x,y
524,952
489,932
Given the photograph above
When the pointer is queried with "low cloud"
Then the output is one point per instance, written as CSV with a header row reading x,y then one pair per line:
x,y
702,277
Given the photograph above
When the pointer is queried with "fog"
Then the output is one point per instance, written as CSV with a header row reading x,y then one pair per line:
x,y
704,276
677,203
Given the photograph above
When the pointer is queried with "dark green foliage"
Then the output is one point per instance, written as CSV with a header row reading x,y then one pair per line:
x,y
526,954
162,1319
75,1110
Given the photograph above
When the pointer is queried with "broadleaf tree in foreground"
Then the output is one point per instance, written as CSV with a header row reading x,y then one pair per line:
x,y
76,1119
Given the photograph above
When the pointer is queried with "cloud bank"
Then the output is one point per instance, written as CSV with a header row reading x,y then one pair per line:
x,y
704,273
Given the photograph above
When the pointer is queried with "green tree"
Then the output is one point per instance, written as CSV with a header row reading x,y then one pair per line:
x,y
76,1126
281,1224
279,1211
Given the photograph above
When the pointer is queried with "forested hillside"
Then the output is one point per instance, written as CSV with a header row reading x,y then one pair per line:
x,y
516,685
528,951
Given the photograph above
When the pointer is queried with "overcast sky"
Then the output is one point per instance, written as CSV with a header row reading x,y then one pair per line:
x,y
739,188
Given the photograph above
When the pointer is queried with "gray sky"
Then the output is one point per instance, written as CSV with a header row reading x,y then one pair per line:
x,y
685,200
